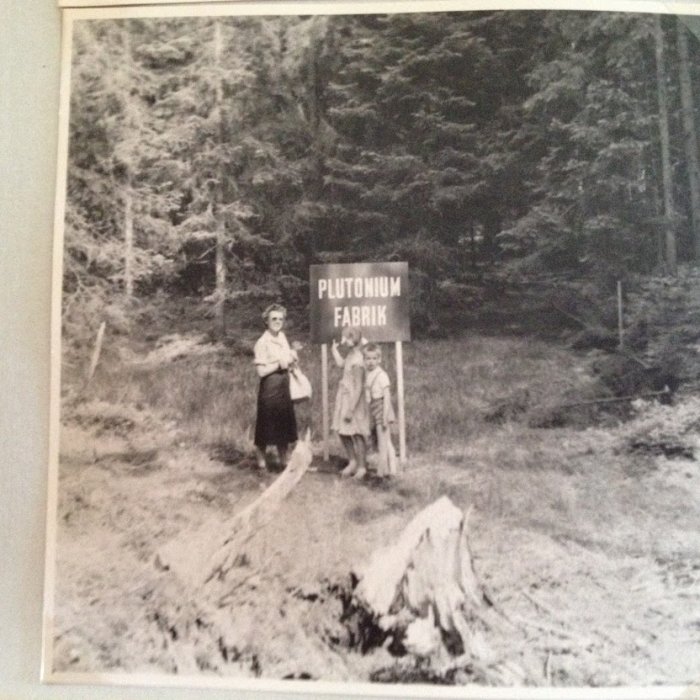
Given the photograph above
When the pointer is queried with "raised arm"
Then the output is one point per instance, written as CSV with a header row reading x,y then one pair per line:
x,y
336,354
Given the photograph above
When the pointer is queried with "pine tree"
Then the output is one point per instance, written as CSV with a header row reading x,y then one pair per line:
x,y
116,210
592,111
671,258
690,134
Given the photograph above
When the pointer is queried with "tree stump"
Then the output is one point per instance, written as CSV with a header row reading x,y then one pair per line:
x,y
424,589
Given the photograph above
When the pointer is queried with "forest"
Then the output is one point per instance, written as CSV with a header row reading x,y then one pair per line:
x,y
538,171
502,155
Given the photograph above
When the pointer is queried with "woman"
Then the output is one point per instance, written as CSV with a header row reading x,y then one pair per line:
x,y
275,423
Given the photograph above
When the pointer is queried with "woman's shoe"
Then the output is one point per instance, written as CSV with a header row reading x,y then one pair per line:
x,y
350,469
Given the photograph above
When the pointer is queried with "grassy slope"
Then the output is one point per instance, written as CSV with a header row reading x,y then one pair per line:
x,y
595,551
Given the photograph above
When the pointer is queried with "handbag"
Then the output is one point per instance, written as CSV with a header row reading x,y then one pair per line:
x,y
299,385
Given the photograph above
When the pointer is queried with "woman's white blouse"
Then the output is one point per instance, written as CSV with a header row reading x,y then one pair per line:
x,y
269,349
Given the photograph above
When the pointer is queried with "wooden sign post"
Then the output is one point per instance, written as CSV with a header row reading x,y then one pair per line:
x,y
324,400
400,399
371,296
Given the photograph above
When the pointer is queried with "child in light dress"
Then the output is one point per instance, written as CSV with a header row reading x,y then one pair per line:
x,y
381,410
351,413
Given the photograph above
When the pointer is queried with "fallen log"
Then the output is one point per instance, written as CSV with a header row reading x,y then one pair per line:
x,y
614,399
424,587
210,553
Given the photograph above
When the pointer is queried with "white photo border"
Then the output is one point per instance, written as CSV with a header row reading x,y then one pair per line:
x,y
80,10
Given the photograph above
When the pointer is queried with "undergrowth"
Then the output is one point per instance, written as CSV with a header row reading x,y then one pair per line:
x,y
455,389
480,400
671,431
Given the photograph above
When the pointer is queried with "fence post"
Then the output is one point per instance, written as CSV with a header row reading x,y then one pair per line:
x,y
620,325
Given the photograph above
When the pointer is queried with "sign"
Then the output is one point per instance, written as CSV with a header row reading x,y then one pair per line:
x,y
373,296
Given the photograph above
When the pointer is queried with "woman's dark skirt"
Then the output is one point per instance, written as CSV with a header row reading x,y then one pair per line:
x,y
276,423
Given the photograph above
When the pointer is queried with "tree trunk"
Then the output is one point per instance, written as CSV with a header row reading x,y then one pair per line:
x,y
662,95
96,352
423,591
128,240
128,189
220,257
472,245
220,271
314,89
489,247
691,141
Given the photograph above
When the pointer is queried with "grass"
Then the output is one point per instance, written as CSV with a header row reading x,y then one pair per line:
x,y
556,511
564,479
451,386
213,404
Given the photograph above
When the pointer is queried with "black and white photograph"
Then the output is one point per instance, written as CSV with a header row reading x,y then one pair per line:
x,y
376,351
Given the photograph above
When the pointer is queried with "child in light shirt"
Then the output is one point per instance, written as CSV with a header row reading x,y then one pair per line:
x,y
381,411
